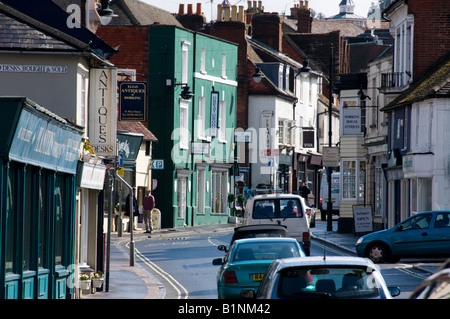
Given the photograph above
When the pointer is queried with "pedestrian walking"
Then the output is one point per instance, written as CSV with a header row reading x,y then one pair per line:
x,y
149,204
304,191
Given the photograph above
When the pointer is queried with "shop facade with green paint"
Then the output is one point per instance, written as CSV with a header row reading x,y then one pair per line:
x,y
39,153
195,134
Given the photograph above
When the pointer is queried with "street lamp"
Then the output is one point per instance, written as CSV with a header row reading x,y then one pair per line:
x,y
257,77
305,71
186,94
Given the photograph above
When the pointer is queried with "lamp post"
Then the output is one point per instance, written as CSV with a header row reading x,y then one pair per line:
x,y
305,70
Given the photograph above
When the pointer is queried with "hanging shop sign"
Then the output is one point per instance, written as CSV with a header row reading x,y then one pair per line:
x,y
102,111
132,101
214,112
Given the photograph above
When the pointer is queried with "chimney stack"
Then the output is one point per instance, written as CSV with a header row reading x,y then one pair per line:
x,y
304,18
266,28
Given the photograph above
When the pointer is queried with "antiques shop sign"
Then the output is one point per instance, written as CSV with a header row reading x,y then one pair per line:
x,y
102,111
132,101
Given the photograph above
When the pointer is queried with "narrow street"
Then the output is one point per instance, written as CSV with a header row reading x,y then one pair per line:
x,y
181,263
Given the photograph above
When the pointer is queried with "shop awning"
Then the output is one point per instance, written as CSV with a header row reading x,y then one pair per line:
x,y
33,135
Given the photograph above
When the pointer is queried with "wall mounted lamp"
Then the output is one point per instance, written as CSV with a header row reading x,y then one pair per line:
x,y
186,94
257,77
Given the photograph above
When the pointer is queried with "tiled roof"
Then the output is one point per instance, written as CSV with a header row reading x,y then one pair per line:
x,y
136,127
48,18
138,13
18,35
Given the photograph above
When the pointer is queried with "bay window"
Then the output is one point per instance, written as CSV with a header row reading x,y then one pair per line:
x,y
353,179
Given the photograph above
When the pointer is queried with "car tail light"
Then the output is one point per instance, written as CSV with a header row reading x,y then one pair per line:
x,y
306,238
308,211
229,277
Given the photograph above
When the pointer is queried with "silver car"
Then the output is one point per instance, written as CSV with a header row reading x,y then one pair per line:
x,y
323,278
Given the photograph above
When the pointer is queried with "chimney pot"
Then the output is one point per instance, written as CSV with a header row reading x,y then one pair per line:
x,y
199,8
181,9
189,10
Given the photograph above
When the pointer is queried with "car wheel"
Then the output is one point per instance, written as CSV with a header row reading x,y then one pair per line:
x,y
377,253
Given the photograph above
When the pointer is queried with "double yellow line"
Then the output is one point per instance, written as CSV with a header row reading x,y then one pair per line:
x,y
165,275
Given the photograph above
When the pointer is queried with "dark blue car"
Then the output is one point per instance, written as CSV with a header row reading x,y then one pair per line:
x,y
423,234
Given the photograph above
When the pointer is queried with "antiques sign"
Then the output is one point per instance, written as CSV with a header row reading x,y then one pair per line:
x,y
132,101
102,111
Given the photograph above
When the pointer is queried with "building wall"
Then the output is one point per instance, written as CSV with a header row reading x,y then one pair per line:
x,y
165,61
58,91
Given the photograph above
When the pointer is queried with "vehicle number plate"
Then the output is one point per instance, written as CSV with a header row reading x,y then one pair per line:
x,y
257,277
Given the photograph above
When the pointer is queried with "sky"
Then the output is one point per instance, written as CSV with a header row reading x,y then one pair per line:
x,y
327,7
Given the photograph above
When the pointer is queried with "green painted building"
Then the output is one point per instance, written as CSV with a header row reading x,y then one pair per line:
x,y
38,162
195,133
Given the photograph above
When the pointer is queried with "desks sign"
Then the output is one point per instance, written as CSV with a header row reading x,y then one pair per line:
x,y
158,164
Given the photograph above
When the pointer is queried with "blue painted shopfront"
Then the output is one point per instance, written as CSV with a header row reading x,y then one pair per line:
x,y
38,162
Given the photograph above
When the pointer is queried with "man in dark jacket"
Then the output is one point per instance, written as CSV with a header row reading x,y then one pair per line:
x,y
148,205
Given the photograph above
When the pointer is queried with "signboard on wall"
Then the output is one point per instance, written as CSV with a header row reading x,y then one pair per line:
x,y
132,101
266,127
352,121
214,112
103,110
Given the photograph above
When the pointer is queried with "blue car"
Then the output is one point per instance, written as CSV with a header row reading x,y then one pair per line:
x,y
423,234
247,260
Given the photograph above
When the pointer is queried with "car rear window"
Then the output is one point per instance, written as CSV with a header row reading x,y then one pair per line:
x,y
327,282
265,251
277,208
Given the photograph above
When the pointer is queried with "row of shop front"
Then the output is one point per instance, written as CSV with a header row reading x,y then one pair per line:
x,y
52,207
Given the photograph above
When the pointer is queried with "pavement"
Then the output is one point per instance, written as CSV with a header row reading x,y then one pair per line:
x,y
135,282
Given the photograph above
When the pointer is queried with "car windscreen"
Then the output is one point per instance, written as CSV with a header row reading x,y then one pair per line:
x,y
277,208
343,282
265,251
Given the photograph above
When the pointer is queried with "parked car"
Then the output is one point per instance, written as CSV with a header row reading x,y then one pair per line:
x,y
256,231
437,286
280,209
247,260
323,278
423,234
311,216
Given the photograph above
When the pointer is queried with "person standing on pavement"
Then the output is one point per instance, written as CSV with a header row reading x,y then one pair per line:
x,y
304,191
148,205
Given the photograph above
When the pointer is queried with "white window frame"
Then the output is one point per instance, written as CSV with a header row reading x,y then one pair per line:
x,y
184,125
224,66
356,181
184,61
182,196
201,190
201,117
203,61
219,187
222,123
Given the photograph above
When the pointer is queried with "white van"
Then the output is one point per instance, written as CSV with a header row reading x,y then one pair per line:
x,y
280,209
335,193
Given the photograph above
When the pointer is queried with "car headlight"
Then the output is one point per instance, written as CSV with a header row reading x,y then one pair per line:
x,y
359,241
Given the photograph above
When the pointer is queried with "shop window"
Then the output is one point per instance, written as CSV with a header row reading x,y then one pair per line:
x,y
353,179
218,191
28,221
44,201
60,208
11,219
